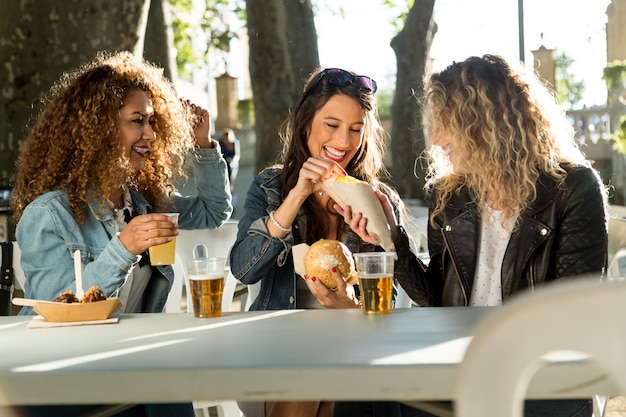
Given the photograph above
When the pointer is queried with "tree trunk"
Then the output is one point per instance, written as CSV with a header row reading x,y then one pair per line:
x,y
159,43
412,49
283,51
41,40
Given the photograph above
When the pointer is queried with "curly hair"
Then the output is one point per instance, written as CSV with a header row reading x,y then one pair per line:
x,y
510,126
366,165
74,144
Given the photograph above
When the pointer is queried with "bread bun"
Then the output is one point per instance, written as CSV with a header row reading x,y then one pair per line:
x,y
325,254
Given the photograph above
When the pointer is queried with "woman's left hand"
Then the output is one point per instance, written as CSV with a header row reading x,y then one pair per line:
x,y
201,126
358,223
342,296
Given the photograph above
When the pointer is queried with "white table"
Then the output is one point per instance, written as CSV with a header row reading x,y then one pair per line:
x,y
312,354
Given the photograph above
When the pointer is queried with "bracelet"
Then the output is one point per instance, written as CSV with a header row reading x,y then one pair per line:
x,y
278,225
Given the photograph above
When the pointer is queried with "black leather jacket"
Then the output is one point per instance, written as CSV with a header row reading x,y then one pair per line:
x,y
563,234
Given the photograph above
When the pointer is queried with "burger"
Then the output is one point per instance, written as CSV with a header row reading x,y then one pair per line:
x,y
325,254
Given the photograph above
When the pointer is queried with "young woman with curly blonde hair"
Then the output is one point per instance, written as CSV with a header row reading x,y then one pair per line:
x,y
513,202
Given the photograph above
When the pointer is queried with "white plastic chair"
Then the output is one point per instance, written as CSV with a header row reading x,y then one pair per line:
x,y
253,291
212,243
18,273
617,248
417,227
580,315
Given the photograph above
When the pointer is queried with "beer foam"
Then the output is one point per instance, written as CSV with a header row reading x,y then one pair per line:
x,y
203,277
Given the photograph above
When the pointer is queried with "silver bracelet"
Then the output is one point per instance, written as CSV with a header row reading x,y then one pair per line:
x,y
278,225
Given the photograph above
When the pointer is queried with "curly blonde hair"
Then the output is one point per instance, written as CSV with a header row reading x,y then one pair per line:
x,y
74,144
511,129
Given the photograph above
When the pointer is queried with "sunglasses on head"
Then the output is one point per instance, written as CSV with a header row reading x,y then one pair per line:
x,y
342,78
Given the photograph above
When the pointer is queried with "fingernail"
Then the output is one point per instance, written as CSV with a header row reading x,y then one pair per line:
x,y
334,269
313,279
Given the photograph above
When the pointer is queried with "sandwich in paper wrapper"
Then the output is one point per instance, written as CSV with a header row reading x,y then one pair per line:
x,y
359,195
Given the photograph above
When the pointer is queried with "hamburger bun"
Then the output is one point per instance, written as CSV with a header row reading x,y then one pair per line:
x,y
325,254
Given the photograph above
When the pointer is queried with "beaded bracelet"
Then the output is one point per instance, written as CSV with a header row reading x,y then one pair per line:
x,y
278,225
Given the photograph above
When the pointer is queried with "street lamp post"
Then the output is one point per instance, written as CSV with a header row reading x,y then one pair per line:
x,y
520,16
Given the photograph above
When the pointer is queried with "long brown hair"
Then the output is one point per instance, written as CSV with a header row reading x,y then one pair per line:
x,y
367,163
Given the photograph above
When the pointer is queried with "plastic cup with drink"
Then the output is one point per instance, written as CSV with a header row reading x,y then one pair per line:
x,y
164,254
375,271
206,283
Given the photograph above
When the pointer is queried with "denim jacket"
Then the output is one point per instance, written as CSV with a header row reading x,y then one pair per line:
x,y
257,256
48,235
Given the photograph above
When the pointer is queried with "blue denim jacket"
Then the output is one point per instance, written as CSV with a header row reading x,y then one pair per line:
x,y
48,235
257,256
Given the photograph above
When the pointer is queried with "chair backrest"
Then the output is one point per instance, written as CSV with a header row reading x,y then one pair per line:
x,y
218,241
579,315
212,243
417,227
617,248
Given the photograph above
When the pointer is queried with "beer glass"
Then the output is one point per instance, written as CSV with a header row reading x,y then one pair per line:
x,y
375,271
206,284
164,254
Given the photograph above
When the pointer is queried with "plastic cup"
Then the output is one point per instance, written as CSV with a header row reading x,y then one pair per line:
x,y
375,271
206,284
164,254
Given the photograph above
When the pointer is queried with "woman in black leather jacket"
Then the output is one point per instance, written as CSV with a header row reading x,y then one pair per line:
x,y
513,202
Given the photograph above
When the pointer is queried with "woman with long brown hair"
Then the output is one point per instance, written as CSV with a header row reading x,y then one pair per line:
x,y
333,129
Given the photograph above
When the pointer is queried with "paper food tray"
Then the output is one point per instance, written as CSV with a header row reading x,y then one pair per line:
x,y
77,312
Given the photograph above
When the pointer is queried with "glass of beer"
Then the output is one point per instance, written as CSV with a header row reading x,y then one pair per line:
x,y
375,270
206,283
164,254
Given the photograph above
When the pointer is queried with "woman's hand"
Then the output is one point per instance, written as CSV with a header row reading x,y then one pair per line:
x,y
147,230
201,126
315,170
358,223
342,296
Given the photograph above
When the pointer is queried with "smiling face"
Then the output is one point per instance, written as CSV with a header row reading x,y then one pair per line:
x,y
136,119
336,130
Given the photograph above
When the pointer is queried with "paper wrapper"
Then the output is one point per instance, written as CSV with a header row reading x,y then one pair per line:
x,y
77,312
362,198
299,251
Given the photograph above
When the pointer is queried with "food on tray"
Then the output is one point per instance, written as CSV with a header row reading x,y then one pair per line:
x,y
93,294
348,178
66,297
68,308
325,254
77,312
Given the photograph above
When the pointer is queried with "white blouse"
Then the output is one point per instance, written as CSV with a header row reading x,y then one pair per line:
x,y
494,239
